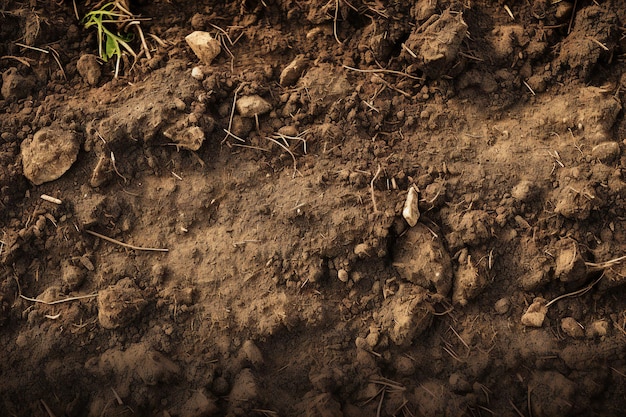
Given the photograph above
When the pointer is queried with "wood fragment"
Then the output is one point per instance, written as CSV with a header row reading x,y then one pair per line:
x,y
51,199
48,410
372,188
126,245
65,300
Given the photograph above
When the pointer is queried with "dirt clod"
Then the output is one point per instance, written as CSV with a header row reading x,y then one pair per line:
x,y
49,154
120,304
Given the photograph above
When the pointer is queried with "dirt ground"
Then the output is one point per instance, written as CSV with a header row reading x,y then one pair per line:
x,y
240,236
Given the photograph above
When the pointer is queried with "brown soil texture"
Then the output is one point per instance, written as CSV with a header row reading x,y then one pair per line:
x,y
229,237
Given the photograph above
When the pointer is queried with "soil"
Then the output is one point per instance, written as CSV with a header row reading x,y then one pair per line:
x,y
226,234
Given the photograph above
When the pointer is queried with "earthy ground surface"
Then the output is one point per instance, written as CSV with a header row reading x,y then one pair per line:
x,y
276,177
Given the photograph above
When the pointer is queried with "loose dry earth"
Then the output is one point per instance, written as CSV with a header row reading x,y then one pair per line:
x,y
276,175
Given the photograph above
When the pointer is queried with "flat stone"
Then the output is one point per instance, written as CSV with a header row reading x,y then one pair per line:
x,y
293,71
50,153
250,106
205,46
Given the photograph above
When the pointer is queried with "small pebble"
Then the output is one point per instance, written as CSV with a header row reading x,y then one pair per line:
x,y
598,328
343,275
572,328
502,305
197,73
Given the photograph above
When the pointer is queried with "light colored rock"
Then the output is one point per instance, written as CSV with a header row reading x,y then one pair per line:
x,y
406,314
16,86
250,106
50,153
205,46
570,266
191,138
522,191
343,276
598,328
251,353
197,73
293,71
572,328
411,212
326,83
245,388
535,314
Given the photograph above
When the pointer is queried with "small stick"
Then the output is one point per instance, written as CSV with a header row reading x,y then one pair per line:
x,y
126,245
404,74
232,115
117,397
295,164
372,188
529,88
594,40
410,52
508,10
335,22
380,403
519,413
115,168
65,300
575,293
571,19
603,265
48,410
50,199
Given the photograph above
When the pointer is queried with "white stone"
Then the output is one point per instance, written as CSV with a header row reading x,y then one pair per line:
x,y
411,211
250,106
205,46
197,73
